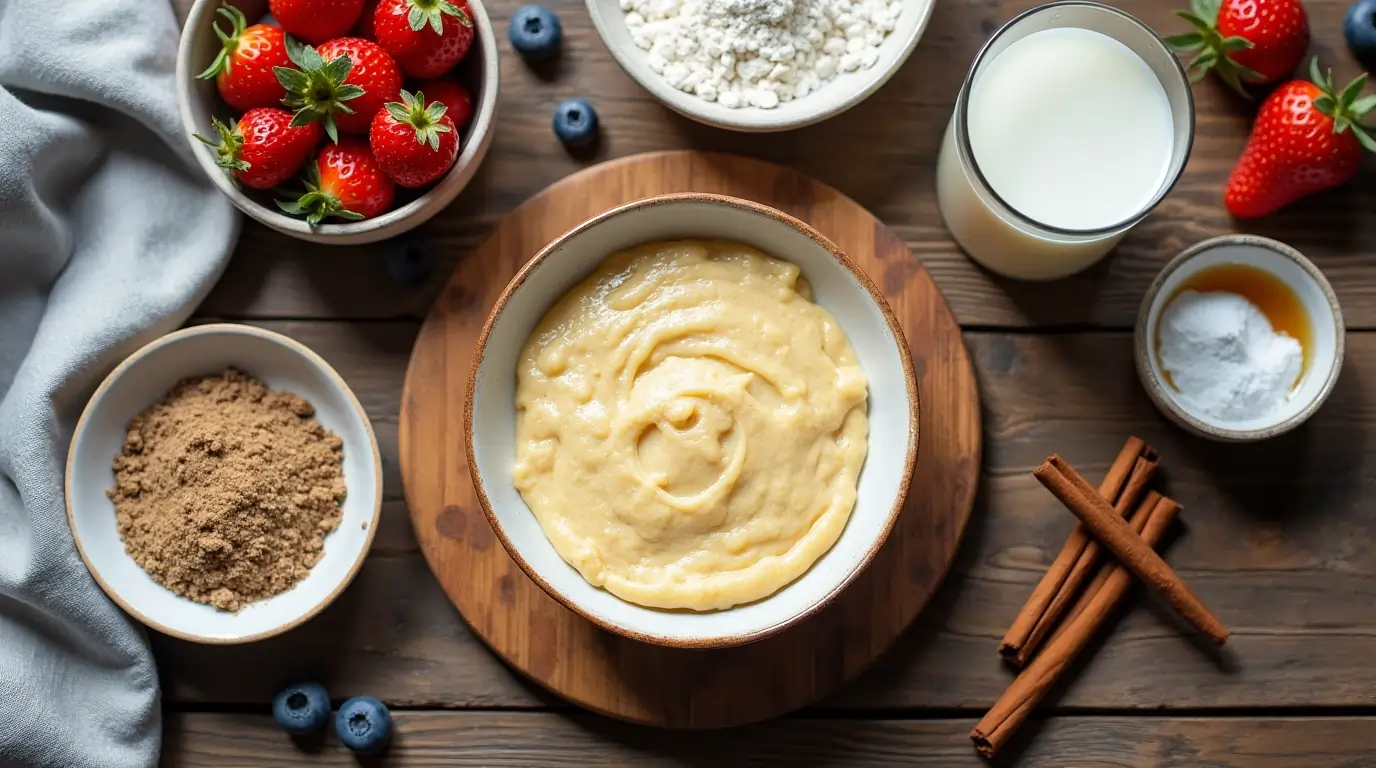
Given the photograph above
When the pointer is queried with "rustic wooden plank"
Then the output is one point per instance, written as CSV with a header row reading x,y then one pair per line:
x,y
882,153
530,739
1278,541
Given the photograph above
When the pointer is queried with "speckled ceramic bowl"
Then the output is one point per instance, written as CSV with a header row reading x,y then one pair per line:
x,y
199,100
838,285
1295,271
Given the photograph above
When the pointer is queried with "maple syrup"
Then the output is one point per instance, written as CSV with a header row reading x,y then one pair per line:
x,y
1269,293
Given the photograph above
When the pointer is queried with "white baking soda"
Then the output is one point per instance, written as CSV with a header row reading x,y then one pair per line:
x,y
1224,358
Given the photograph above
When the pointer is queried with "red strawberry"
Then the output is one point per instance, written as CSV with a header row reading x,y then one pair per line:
x,y
316,21
364,27
263,149
426,37
1307,138
346,69
344,182
243,67
414,143
452,94
1252,41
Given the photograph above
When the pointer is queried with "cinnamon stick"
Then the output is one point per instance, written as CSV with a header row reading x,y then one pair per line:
x,y
1054,580
997,726
1117,537
1088,560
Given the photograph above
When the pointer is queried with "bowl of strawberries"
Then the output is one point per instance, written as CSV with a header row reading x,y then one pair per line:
x,y
338,121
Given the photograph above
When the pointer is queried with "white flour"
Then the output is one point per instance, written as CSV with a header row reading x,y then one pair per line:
x,y
758,52
1224,358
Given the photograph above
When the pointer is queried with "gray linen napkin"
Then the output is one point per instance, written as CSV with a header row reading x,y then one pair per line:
x,y
109,236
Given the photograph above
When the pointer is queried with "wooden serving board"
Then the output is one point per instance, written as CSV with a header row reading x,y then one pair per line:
x,y
624,678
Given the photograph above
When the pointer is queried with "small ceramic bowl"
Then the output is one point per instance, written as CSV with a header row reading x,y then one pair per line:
x,y
842,93
199,100
142,380
1314,293
838,285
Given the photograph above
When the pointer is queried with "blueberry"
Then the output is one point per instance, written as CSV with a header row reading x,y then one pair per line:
x,y
1359,27
364,725
302,708
535,32
575,122
409,259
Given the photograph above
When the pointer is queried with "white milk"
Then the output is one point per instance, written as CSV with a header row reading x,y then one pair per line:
x,y
1071,129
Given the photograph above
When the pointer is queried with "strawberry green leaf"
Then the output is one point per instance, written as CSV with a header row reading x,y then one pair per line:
x,y
1235,43
1352,90
1326,105
399,112
229,42
1364,138
1186,43
227,147
291,79
416,19
303,55
435,111
348,91
1361,106
339,69
331,129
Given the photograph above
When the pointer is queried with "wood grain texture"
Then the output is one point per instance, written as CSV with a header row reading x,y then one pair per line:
x,y
881,153
638,681
510,740
1277,539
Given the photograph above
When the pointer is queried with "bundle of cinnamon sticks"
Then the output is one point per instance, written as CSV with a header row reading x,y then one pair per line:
x,y
1082,587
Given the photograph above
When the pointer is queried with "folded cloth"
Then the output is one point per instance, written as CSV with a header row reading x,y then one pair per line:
x,y
109,236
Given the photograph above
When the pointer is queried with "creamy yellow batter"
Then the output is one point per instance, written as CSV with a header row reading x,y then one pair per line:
x,y
690,425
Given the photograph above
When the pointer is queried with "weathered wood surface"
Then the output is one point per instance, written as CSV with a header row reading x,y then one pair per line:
x,y
496,739
881,153
1278,541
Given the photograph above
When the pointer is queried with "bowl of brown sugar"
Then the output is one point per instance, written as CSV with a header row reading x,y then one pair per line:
x,y
223,484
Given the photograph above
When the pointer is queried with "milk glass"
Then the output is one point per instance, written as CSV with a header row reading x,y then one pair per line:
x,y
1085,170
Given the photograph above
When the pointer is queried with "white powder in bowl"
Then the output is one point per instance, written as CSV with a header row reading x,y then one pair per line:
x,y
758,53
1224,358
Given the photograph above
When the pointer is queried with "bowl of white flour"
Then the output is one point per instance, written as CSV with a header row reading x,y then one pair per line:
x,y
760,65
1240,338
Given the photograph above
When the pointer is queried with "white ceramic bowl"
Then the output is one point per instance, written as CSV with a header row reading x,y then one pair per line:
x,y
842,93
199,100
838,285
1292,269
142,380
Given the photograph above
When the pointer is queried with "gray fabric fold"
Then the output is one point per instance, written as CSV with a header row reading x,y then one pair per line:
x,y
109,236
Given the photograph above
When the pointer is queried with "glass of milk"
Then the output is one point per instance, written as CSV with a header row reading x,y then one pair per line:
x,y
1073,123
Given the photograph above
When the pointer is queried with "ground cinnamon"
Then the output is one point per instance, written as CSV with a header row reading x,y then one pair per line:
x,y
1122,486
224,491
1152,518
1117,536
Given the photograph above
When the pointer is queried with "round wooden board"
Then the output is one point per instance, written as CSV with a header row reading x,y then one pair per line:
x,y
644,683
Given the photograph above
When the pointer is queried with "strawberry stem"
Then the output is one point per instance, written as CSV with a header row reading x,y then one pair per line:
x,y
316,204
432,12
1347,107
317,90
1211,48
229,43
230,141
413,111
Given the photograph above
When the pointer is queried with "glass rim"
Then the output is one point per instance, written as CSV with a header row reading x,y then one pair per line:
x,y
967,153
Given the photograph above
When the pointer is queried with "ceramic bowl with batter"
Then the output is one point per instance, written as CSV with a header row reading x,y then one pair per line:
x,y
838,286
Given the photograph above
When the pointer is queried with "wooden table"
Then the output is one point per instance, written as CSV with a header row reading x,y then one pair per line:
x,y
1278,538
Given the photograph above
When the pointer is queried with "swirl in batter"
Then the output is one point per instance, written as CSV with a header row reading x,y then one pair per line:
x,y
690,426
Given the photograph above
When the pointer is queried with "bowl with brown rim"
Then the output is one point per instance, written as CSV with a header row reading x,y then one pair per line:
x,y
838,285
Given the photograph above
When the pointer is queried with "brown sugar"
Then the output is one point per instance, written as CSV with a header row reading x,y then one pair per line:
x,y
225,490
